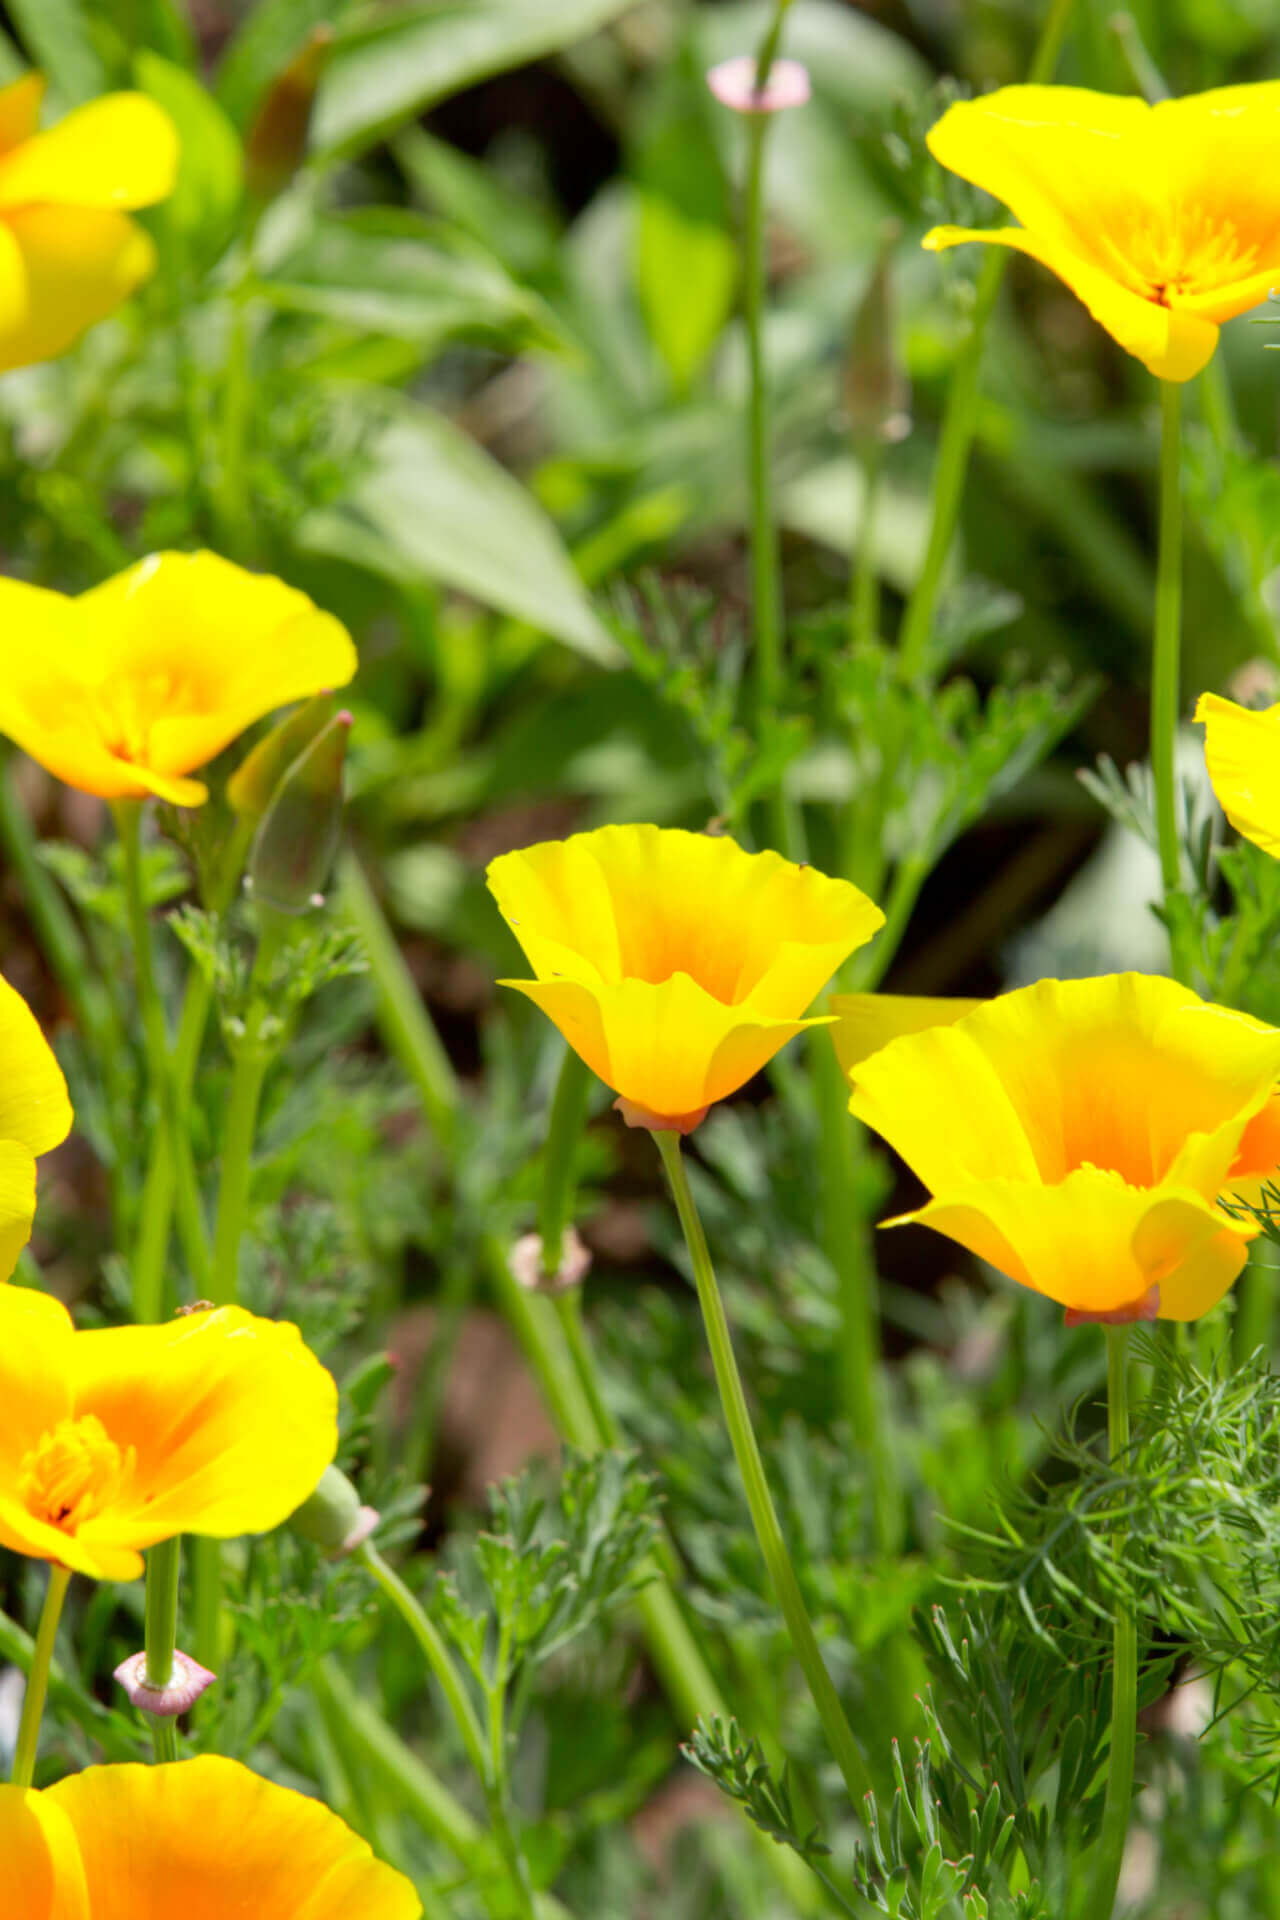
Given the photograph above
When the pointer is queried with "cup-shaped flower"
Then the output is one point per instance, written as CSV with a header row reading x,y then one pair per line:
x,y
1161,219
674,963
203,1838
69,253
35,1116
123,690
1078,1134
110,1440
1242,752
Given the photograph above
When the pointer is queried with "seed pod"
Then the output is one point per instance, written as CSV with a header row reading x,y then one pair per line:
x,y
277,142
333,1517
252,786
877,398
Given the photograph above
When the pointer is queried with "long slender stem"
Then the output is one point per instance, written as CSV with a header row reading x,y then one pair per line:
x,y
961,417
152,1243
564,1130
864,598
24,1756
164,1565
1117,1806
764,1517
1167,651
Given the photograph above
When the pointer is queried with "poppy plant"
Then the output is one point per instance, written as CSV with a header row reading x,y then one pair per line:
x,y
1161,219
124,690
1242,752
111,1440
1078,1134
205,1838
676,964
69,253
35,1116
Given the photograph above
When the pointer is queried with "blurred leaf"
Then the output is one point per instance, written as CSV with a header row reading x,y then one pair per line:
x,y
686,256
12,64
161,26
433,504
387,270
56,33
519,231
272,34
203,204
389,71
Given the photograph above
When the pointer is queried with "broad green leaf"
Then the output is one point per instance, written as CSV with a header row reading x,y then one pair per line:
x,y
272,34
686,255
56,33
161,26
385,270
203,204
432,504
518,230
386,73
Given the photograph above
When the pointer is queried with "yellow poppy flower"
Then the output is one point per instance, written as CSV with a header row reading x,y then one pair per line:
x,y
1077,1134
123,690
675,963
216,1423
1161,219
35,1116
1242,752
204,1838
69,253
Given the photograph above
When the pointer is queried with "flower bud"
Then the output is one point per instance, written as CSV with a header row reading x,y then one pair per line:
x,y
187,1681
333,1517
526,1263
298,835
277,141
252,786
877,398
733,83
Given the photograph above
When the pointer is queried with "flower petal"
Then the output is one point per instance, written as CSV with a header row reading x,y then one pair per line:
x,y
1171,343
36,1338
43,1874
20,110
1216,151
119,151
78,265
1094,1243
34,1106
1242,751
865,1022
17,1202
210,1840
233,1420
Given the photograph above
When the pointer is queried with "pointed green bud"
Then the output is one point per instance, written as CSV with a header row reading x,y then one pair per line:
x,y
877,398
333,1517
276,144
252,786
298,835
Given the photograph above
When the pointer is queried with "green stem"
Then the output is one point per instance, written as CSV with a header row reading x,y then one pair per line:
x,y
234,518
1255,1313
961,416
564,1131
1167,650
24,1756
164,1565
864,601
240,1126
568,1308
1124,1677
839,1734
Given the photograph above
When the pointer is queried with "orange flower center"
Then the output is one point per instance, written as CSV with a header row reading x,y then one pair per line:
x,y
74,1472
1183,251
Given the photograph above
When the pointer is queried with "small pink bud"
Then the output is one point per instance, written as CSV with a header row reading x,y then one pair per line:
x,y
733,83
526,1264
186,1683
366,1521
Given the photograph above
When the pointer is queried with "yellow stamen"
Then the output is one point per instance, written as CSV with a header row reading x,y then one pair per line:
x,y
74,1472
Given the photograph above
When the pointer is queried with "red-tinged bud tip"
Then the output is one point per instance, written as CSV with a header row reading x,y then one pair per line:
x,y
187,1681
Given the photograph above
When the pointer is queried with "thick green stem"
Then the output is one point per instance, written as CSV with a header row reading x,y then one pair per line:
x,y
164,1565
239,1129
1124,1676
864,598
1166,661
961,416
24,1756
777,1560
564,1131
152,1244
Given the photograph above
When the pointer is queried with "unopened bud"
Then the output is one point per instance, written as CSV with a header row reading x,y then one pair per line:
x,y
277,141
298,835
252,786
186,1682
733,83
333,1517
526,1265
877,398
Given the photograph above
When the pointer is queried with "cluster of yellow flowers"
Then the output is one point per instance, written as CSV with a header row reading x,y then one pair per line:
x,y
1080,1136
